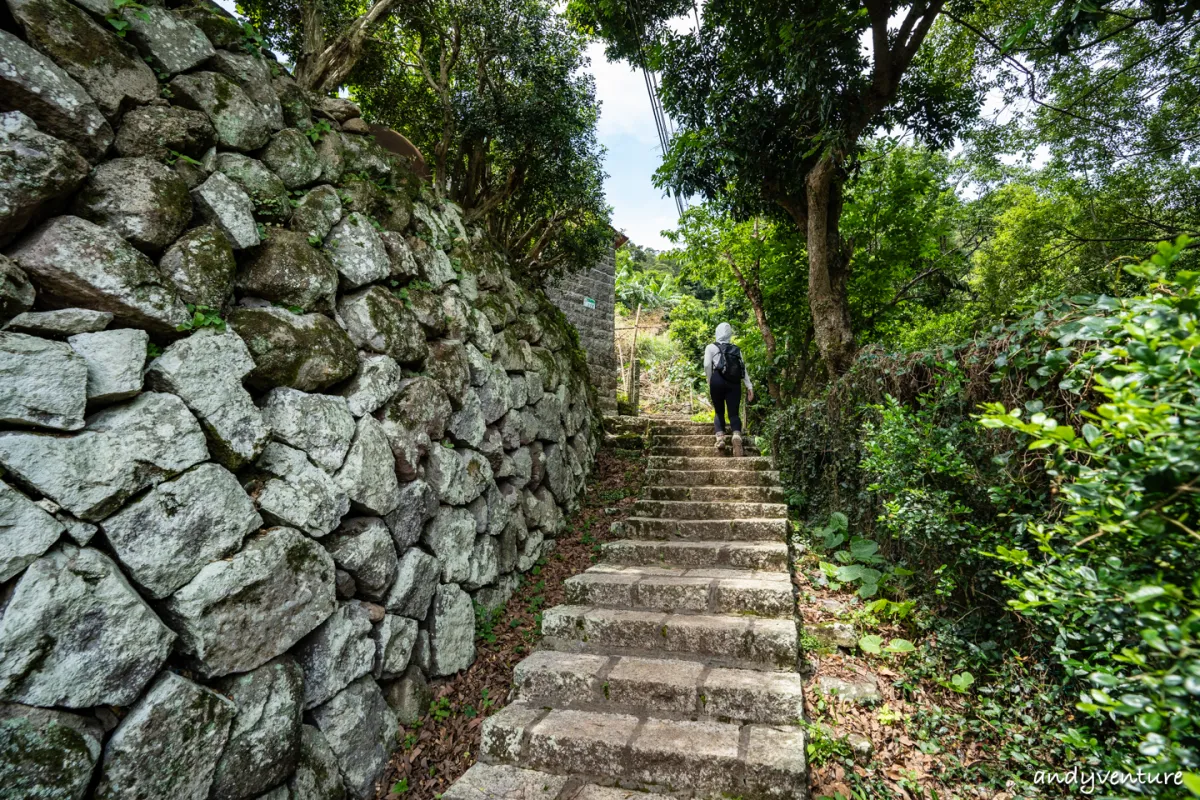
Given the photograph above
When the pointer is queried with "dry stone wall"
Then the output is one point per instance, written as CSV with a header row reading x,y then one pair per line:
x,y
588,299
273,421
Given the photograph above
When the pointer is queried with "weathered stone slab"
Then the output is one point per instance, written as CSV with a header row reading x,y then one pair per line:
x,y
80,263
225,205
185,725
251,72
484,566
240,613
377,380
418,503
139,199
501,782
863,690
108,69
206,370
37,172
409,696
451,537
236,118
316,212
286,269
317,776
167,536
356,250
16,292
448,366
115,360
319,424
377,320
451,630
264,188
336,653
264,744
416,580
45,383
59,106
123,450
75,634
200,264
368,475
363,547
154,131
360,729
551,676
46,753
26,531
394,641
291,491
166,41
308,352
414,418
292,158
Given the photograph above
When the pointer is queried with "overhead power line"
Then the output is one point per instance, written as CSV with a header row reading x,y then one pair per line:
x,y
661,121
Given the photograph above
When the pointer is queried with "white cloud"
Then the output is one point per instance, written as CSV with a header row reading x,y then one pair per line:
x,y
624,103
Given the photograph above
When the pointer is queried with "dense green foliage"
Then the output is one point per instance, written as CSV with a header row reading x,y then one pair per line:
x,y
1072,501
497,96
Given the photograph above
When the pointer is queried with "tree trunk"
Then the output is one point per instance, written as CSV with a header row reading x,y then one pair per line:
x,y
325,70
754,294
828,268
629,390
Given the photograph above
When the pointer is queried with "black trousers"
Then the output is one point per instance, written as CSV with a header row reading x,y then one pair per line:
x,y
725,396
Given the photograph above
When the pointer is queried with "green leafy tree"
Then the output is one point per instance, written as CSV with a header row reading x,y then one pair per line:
x,y
756,258
773,99
496,93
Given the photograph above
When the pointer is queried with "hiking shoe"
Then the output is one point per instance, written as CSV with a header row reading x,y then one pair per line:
x,y
720,444
737,444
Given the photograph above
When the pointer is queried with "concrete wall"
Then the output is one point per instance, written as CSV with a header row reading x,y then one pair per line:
x,y
595,325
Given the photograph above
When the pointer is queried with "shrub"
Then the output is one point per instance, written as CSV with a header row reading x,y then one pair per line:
x,y
1066,514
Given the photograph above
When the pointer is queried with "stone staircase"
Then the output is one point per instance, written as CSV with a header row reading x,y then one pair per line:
x,y
673,666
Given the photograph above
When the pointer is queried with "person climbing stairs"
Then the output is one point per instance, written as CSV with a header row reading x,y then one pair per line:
x,y
674,665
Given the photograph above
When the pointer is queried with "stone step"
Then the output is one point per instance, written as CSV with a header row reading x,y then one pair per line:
x,y
738,494
699,591
702,509
708,449
767,556
743,642
754,762
681,428
731,530
713,463
693,439
711,477
506,782
627,684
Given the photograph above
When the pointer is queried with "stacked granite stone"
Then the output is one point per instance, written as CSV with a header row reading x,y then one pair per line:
x,y
594,321
273,420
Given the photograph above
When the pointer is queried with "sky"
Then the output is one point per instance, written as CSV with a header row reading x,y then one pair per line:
x,y
627,132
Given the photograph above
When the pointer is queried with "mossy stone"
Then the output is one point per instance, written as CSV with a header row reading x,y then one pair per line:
x,y
108,69
141,199
286,269
45,753
200,264
364,197
308,352
264,188
292,158
238,121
